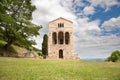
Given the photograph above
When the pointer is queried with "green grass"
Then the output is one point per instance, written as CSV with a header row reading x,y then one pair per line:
x,y
36,69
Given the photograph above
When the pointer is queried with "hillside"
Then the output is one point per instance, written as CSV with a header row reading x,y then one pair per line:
x,y
39,69
16,51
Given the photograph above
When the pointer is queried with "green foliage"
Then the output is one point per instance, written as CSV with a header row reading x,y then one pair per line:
x,y
40,53
35,69
115,56
2,43
11,49
36,49
45,45
15,23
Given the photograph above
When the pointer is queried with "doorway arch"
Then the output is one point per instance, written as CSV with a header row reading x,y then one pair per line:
x,y
61,53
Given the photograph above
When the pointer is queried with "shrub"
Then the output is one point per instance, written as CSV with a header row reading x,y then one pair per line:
x,y
40,53
45,46
114,57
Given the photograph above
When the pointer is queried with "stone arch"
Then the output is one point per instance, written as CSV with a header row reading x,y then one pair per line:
x,y
60,37
67,38
54,38
61,53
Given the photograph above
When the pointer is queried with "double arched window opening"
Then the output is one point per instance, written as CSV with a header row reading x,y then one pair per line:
x,y
60,38
60,25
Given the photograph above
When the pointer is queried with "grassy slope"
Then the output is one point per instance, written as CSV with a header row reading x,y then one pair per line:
x,y
33,69
14,48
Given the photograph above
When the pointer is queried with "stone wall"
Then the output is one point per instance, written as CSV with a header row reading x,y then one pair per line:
x,y
53,49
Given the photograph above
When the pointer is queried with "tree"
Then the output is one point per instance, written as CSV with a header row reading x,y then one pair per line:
x,y
15,23
115,56
45,46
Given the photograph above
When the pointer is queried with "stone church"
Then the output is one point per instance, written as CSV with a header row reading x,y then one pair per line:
x,y
60,39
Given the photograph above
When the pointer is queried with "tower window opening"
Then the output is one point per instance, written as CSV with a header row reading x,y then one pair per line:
x,y
60,25
67,38
60,38
54,38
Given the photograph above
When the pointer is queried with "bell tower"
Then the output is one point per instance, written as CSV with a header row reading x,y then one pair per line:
x,y
60,39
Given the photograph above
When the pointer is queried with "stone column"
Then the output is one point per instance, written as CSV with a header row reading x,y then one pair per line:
x,y
63,37
70,37
57,37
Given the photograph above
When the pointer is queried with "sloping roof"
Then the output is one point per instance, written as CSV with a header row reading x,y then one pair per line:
x,y
61,18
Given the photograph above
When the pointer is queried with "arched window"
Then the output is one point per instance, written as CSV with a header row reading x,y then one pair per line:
x,y
60,38
67,38
54,38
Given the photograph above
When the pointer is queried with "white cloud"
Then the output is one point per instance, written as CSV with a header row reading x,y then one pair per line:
x,y
112,23
97,46
79,3
89,10
84,25
86,43
106,4
46,11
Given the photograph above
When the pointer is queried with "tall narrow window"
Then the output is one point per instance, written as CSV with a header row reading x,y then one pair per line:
x,y
62,24
60,38
54,38
58,25
67,38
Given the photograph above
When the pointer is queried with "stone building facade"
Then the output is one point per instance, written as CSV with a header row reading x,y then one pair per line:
x,y
60,39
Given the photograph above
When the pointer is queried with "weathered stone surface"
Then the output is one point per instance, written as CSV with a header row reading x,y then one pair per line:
x,y
60,40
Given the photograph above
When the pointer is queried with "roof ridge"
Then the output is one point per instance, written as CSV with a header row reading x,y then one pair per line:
x,y
61,18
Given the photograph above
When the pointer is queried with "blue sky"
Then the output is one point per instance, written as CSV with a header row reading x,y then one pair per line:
x,y
96,24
